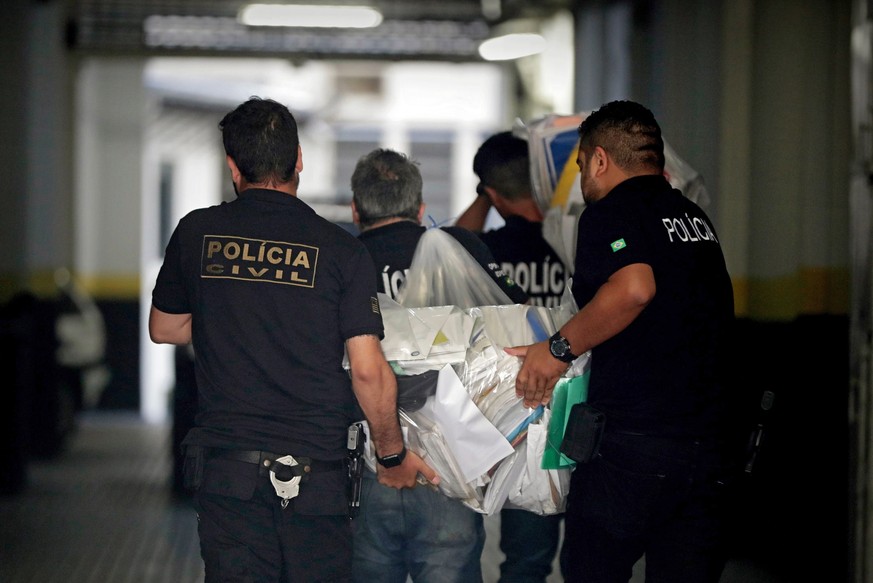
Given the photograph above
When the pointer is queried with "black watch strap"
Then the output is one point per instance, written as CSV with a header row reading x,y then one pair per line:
x,y
560,348
393,460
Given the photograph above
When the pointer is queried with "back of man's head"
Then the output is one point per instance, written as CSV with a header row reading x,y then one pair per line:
x,y
261,137
386,184
502,162
628,132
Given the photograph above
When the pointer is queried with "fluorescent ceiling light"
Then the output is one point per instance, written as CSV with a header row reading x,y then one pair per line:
x,y
512,46
310,16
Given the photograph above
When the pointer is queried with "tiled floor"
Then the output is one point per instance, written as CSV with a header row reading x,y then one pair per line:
x,y
103,512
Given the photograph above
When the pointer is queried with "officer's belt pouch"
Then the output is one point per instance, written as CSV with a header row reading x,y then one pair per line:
x,y
192,467
582,436
227,477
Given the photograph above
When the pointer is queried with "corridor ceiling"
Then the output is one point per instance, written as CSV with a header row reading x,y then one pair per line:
x,y
448,30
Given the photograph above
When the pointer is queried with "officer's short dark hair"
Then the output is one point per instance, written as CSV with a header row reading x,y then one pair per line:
x,y
261,137
502,162
628,132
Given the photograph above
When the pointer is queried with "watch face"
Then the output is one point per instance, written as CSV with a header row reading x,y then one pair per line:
x,y
560,349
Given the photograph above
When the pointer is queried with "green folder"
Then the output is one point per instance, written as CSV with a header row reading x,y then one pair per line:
x,y
567,393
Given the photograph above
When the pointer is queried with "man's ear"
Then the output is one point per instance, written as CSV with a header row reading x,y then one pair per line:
x,y
600,161
356,218
497,201
421,213
299,166
234,170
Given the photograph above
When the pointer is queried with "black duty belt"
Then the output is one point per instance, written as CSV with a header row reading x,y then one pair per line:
x,y
267,460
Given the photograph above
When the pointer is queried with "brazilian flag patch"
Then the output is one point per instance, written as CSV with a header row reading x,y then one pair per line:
x,y
617,245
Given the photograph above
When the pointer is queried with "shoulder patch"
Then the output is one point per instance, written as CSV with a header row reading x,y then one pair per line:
x,y
617,245
374,305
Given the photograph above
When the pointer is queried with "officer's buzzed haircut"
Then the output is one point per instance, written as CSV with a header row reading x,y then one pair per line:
x,y
502,162
386,184
628,132
261,137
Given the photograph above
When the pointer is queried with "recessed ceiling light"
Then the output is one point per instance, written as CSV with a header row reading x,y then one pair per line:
x,y
512,46
310,16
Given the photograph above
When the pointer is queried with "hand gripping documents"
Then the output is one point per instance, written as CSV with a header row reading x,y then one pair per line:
x,y
472,428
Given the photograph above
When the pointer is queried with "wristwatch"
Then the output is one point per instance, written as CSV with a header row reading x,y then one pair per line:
x,y
393,460
560,348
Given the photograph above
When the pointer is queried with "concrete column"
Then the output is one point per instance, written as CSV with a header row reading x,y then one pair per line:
x,y
110,114
36,193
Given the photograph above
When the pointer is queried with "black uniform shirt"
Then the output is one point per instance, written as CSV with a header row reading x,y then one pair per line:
x,y
526,257
664,374
393,246
274,290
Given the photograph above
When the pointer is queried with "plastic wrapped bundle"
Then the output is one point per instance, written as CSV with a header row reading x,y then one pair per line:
x,y
553,142
483,458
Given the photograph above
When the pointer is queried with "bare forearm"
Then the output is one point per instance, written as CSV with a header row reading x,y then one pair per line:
x,y
615,305
167,328
375,387
474,217
378,400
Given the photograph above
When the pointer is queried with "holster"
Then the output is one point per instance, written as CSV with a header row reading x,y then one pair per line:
x,y
583,432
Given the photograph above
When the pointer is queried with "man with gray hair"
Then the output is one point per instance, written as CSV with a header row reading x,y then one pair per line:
x,y
387,207
419,532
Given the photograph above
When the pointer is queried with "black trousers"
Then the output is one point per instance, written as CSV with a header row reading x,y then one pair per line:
x,y
666,498
247,537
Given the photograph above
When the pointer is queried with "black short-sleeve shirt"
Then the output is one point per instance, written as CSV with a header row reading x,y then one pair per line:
x,y
526,257
392,247
665,373
274,291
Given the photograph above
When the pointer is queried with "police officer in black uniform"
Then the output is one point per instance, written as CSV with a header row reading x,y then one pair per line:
x,y
271,296
656,311
502,164
529,541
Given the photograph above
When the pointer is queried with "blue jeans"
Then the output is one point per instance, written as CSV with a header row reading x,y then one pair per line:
x,y
416,532
529,542
666,498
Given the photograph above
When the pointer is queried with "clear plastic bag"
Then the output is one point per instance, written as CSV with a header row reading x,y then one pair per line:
x,y
469,333
443,273
543,491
